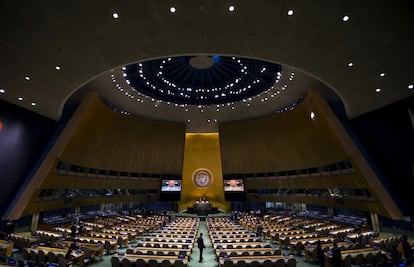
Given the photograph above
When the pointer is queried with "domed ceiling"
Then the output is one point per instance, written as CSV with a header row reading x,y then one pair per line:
x,y
356,52
204,90
201,79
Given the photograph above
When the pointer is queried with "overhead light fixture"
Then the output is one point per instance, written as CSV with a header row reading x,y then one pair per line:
x,y
33,104
20,98
382,74
231,8
312,115
2,91
172,9
410,86
350,64
290,12
57,67
115,15
27,78
378,90
345,18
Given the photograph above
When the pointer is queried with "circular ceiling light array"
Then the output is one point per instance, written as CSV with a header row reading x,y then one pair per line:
x,y
181,81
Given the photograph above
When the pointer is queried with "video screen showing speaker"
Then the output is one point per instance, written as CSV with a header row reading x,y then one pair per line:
x,y
170,189
171,185
233,185
234,189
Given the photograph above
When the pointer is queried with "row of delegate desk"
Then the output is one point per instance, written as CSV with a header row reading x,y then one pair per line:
x,y
310,232
233,243
59,239
173,243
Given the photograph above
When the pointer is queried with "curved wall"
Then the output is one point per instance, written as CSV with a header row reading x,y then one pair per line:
x,y
108,140
286,141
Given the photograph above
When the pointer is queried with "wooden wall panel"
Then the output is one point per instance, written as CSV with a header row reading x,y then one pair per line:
x,y
286,141
293,141
111,141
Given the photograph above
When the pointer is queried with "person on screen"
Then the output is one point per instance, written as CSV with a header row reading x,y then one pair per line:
x,y
234,185
171,185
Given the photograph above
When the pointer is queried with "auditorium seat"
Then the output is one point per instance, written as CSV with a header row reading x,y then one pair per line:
x,y
140,263
152,263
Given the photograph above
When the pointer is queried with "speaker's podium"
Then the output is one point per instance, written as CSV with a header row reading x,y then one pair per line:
x,y
202,208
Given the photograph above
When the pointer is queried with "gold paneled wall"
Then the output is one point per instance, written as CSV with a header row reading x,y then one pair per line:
x,y
286,141
202,151
108,140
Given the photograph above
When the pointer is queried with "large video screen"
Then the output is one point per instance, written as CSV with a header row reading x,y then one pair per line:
x,y
233,185
171,186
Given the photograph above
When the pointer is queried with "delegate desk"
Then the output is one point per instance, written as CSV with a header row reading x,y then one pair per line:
x,y
157,250
171,242
49,233
133,258
77,256
260,259
310,255
168,246
334,233
122,239
6,248
248,251
96,249
109,244
236,240
353,253
240,244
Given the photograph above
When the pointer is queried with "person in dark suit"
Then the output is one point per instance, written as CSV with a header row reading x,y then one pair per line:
x,y
407,251
336,256
320,255
73,229
201,246
259,230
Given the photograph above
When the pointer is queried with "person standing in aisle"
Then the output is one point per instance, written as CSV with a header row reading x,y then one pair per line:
x,y
201,246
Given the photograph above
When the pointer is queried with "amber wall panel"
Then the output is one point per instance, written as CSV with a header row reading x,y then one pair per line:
x,y
202,151
108,140
286,141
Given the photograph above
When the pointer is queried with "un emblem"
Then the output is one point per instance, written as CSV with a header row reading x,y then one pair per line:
x,y
202,178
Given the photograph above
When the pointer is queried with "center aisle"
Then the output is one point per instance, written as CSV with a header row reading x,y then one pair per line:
x,y
209,257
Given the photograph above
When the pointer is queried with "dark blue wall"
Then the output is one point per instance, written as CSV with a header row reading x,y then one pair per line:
x,y
387,135
23,137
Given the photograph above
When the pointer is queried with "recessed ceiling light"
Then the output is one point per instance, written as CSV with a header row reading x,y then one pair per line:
x,y
57,67
378,90
33,103
345,18
350,64
20,98
2,91
188,120
290,12
312,115
172,9
115,15
27,78
411,86
382,74
231,8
